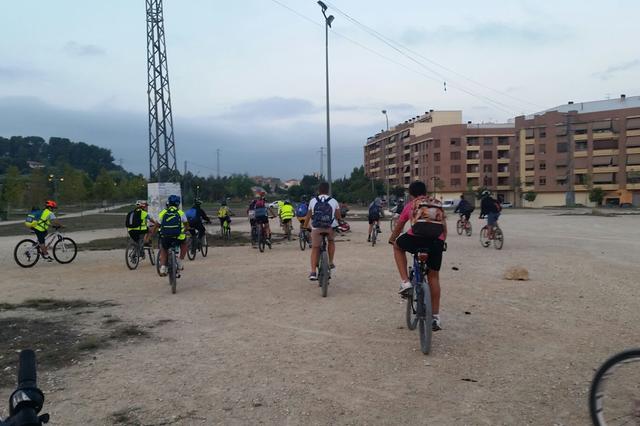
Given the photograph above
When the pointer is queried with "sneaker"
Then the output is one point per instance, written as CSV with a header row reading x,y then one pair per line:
x,y
368,239
313,276
163,271
47,258
436,324
405,287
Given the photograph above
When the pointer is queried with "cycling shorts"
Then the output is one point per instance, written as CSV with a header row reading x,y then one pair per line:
x,y
41,235
136,234
492,218
168,242
262,219
373,219
413,244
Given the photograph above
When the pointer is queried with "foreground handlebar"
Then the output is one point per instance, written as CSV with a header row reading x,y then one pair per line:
x,y
27,376
27,400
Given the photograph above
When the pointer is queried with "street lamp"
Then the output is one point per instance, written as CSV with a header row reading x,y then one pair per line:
x,y
327,21
384,111
54,179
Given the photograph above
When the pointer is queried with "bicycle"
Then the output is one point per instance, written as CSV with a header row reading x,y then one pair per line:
x,y
374,234
27,400
619,402
263,238
225,230
463,225
304,238
196,244
419,311
287,227
27,251
136,251
498,237
324,267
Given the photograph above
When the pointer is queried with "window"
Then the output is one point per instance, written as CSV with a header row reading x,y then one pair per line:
x,y
561,130
455,141
542,165
473,168
562,147
633,141
436,156
436,143
542,132
487,141
581,146
604,161
405,134
529,149
473,181
580,129
407,157
528,133
455,182
393,138
633,159
542,181
601,126
455,155
487,168
633,177
436,170
487,181
487,155
473,141
633,123
542,149
581,179
529,165
503,155
473,155
503,140
503,168
455,169
502,181
407,179
605,144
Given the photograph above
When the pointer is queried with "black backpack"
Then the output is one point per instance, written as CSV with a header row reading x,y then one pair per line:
x,y
133,219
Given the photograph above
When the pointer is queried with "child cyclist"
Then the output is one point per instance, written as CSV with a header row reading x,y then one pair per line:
x,y
428,231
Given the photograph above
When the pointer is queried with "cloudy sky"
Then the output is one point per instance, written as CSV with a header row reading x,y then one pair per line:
x,y
248,76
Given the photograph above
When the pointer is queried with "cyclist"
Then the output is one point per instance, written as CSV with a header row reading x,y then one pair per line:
x,y
375,211
140,223
324,214
173,226
428,231
224,214
464,208
286,212
490,208
262,214
196,215
41,227
301,211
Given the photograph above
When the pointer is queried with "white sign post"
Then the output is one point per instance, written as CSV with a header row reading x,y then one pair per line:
x,y
158,193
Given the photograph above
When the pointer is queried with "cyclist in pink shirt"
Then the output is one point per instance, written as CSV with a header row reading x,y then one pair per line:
x,y
428,231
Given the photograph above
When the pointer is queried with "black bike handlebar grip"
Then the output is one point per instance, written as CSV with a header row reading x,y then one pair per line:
x,y
27,369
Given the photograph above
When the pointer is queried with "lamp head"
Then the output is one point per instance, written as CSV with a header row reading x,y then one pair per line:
x,y
323,6
330,20
384,111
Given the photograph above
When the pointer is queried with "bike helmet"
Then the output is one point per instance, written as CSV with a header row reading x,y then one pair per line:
x,y
142,203
51,204
486,193
174,200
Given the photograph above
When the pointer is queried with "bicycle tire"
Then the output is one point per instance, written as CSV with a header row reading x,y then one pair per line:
x,y
25,250
204,247
67,244
323,273
132,255
425,320
469,229
374,237
393,222
410,314
484,241
302,240
597,388
498,238
192,248
173,271
158,263
459,227
261,242
152,255
288,233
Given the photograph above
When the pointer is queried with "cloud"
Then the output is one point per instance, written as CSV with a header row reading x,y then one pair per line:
x,y
252,148
77,49
14,73
614,69
274,108
487,32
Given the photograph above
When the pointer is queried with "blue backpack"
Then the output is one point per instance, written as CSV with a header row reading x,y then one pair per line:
x,y
33,218
322,213
171,225
192,214
374,210
302,210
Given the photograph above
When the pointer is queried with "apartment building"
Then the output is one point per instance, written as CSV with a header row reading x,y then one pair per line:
x,y
450,157
566,150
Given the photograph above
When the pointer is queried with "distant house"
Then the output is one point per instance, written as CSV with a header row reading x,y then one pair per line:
x,y
291,182
35,165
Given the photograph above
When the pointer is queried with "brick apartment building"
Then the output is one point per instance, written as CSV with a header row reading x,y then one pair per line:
x,y
555,153
449,156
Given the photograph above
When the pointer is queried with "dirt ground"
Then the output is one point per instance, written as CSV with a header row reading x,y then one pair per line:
x,y
252,341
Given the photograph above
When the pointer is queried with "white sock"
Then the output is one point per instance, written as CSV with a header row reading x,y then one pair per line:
x,y
436,316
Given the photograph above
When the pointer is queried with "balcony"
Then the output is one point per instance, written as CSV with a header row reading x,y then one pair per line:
x,y
608,186
633,150
633,132
503,161
581,171
635,168
390,145
407,163
375,169
604,135
504,147
393,176
529,157
473,148
578,187
529,172
504,174
582,137
579,154
503,187
600,152
473,161
633,186
611,169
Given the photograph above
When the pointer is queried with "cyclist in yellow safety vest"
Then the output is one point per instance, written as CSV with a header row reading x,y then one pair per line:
x,y
147,227
286,212
224,214
173,230
41,227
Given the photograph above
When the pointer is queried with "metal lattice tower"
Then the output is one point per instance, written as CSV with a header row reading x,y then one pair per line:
x,y
162,150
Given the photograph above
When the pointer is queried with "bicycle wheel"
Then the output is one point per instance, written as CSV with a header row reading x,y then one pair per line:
x,y
261,242
498,238
288,232
468,229
26,253
411,308
302,240
191,252
173,271
425,318
614,396
374,236
152,255
323,273
65,250
158,263
204,246
459,227
484,240
132,255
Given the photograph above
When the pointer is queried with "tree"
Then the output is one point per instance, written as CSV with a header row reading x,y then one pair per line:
x,y
37,188
530,196
596,195
72,188
104,187
12,189
397,191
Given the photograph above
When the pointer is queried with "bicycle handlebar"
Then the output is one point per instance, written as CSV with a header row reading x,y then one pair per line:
x,y
27,400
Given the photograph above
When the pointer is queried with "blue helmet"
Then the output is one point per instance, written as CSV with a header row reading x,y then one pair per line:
x,y
174,200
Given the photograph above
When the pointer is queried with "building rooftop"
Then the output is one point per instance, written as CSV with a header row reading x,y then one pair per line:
x,y
491,125
594,106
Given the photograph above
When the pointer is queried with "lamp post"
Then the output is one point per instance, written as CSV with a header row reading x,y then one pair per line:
x,y
327,24
384,111
54,179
